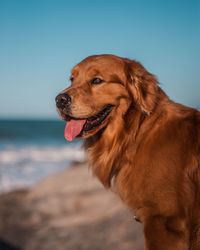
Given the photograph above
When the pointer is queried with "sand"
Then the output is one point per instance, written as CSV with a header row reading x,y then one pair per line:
x,y
68,211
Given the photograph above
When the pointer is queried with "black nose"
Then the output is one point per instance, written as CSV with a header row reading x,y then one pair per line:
x,y
63,100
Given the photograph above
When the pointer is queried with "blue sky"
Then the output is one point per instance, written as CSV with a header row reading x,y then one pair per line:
x,y
40,41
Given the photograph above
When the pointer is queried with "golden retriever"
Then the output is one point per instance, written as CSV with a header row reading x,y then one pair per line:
x,y
141,143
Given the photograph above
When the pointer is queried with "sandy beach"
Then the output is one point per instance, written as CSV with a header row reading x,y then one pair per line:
x,y
69,210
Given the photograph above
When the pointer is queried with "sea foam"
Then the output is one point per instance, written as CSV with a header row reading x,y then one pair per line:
x,y
22,166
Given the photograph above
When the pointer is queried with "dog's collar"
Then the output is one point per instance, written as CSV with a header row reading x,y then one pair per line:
x,y
136,218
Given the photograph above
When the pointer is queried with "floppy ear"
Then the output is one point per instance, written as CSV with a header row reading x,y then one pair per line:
x,y
142,85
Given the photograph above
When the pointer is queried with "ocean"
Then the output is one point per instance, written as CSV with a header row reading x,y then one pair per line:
x,y
30,150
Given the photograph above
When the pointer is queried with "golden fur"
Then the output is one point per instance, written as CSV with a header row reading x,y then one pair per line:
x,y
148,148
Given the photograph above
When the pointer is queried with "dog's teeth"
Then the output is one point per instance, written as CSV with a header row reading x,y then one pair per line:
x,y
97,119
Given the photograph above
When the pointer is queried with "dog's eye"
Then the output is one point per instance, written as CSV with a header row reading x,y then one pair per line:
x,y
96,81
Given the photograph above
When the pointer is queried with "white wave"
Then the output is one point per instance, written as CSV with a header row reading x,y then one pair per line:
x,y
41,154
25,165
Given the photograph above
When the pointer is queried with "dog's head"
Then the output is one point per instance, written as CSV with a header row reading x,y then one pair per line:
x,y
103,88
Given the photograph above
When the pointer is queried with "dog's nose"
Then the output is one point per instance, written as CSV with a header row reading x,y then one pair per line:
x,y
63,100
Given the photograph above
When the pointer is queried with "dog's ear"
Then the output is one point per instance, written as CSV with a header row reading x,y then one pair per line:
x,y
142,85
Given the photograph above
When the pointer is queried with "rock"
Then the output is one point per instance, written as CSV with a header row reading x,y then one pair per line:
x,y
6,246
68,211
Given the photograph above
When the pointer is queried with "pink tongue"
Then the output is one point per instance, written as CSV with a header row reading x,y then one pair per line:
x,y
73,128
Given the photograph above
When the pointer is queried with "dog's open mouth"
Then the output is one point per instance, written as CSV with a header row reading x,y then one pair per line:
x,y
76,127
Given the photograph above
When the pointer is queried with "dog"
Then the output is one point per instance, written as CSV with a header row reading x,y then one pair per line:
x,y
139,143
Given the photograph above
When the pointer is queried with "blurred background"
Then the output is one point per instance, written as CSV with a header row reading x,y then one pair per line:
x,y
40,42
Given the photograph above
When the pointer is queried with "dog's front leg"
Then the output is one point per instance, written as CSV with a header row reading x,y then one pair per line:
x,y
165,233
